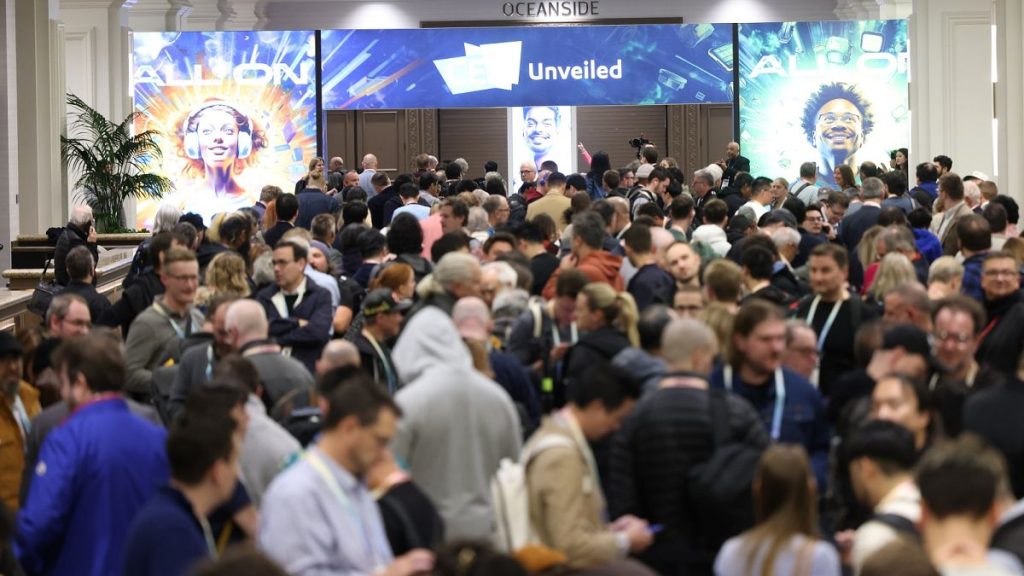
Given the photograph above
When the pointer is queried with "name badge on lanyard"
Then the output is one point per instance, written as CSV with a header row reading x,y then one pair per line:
x,y
823,334
780,398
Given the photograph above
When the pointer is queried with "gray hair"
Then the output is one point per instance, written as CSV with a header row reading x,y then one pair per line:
x,y
684,337
248,317
454,268
338,353
505,273
871,188
263,269
972,191
704,175
896,238
793,325
462,164
493,177
477,221
785,236
945,269
166,218
81,215
60,305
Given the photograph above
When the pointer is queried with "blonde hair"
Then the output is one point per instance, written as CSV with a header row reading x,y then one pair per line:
x,y
895,271
312,182
224,276
867,251
619,309
720,319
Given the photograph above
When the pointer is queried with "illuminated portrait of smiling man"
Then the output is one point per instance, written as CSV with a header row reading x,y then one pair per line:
x,y
540,131
836,119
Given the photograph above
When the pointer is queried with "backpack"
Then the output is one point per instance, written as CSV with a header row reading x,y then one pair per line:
x,y
901,524
635,195
719,487
510,497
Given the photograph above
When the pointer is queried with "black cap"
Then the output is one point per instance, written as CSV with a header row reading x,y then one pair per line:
x,y
193,219
9,345
381,301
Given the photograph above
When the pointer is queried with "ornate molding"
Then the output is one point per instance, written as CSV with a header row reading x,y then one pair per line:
x,y
674,147
693,129
430,131
413,134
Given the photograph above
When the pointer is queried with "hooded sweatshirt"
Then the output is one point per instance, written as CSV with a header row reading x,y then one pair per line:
x,y
599,266
714,236
456,425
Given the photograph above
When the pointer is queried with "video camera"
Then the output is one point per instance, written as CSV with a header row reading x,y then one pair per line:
x,y
639,144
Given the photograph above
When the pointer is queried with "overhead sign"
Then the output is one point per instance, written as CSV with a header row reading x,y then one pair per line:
x,y
832,93
513,67
558,9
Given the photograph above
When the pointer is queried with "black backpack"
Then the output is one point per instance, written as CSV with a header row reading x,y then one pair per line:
x,y
719,487
901,524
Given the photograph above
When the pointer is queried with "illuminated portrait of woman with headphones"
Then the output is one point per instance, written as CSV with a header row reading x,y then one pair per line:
x,y
219,142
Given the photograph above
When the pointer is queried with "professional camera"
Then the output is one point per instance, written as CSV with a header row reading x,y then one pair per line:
x,y
639,144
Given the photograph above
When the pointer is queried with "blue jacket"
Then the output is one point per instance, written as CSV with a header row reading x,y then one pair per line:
x,y
927,244
308,341
95,472
803,415
971,284
165,538
312,203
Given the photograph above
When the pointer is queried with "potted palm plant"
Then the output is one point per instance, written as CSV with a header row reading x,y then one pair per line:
x,y
112,163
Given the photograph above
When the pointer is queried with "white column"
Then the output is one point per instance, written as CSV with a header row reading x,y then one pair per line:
x,y
1009,91
40,111
950,90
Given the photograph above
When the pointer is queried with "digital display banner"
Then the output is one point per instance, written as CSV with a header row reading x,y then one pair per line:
x,y
829,92
235,111
517,67
538,134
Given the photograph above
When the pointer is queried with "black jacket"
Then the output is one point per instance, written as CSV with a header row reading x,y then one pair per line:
x,y
134,300
273,235
1001,347
98,304
306,342
377,203
994,414
70,238
668,433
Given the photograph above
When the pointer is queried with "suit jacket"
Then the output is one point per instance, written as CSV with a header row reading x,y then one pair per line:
x,y
308,341
949,239
312,203
737,164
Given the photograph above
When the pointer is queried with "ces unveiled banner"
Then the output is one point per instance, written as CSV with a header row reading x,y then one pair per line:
x,y
514,67
829,92
235,111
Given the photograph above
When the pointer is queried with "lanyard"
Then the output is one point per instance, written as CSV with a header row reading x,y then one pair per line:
x,y
21,415
174,325
389,373
556,338
316,461
211,544
828,322
780,397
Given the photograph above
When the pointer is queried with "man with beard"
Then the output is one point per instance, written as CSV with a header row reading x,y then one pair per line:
x,y
836,119
540,130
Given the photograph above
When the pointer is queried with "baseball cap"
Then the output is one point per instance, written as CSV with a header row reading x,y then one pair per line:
x,y
644,171
382,301
977,175
9,345
193,219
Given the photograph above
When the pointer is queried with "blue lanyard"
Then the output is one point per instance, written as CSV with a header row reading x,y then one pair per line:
x,y
780,398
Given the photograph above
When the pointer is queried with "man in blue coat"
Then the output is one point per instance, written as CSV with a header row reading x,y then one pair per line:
x,y
94,472
790,407
299,311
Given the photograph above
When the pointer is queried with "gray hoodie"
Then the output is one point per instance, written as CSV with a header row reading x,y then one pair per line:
x,y
456,425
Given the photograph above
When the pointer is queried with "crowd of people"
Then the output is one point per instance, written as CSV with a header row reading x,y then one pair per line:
x,y
622,371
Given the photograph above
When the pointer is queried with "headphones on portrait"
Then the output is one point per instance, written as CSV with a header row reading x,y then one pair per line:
x,y
192,134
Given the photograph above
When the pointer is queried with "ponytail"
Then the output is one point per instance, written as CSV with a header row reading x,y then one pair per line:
x,y
627,317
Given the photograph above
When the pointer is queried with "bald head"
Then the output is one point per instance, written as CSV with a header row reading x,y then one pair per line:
x,y
369,162
336,163
246,322
472,318
689,345
337,354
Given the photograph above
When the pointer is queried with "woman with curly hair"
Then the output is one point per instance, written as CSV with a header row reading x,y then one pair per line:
x,y
225,276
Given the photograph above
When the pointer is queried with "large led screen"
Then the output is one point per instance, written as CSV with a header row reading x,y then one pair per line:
x,y
826,92
538,134
235,111
515,67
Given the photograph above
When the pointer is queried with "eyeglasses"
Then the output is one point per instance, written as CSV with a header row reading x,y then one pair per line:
x,y
847,118
949,336
994,273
